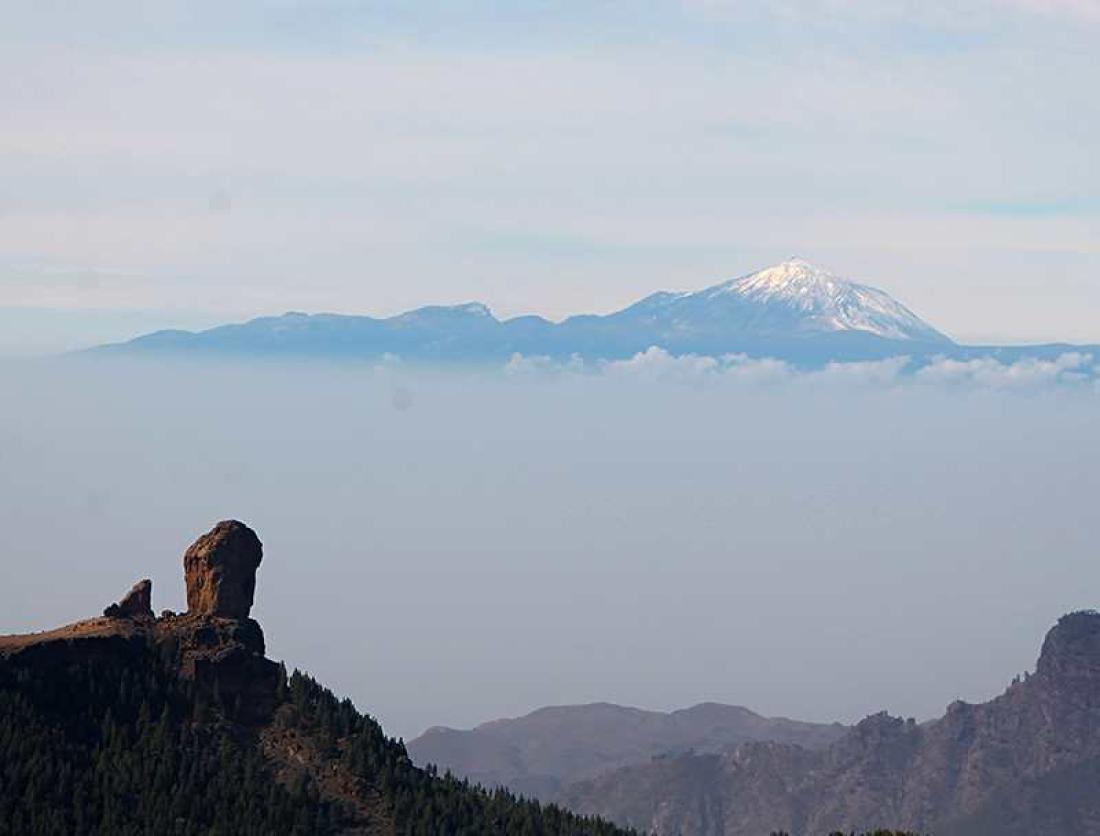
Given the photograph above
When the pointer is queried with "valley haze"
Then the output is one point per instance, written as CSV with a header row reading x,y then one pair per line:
x,y
665,531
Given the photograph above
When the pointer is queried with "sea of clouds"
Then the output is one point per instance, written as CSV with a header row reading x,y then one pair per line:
x,y
655,363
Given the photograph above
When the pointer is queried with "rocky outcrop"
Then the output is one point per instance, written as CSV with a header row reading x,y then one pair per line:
x,y
1023,764
1070,659
218,645
224,656
215,644
181,725
220,570
137,603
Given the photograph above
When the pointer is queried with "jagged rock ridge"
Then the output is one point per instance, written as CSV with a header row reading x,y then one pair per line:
x,y
1023,764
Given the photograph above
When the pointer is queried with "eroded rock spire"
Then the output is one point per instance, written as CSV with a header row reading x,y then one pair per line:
x,y
220,571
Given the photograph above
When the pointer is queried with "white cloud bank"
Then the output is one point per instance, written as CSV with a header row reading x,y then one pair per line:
x,y
1071,367
657,364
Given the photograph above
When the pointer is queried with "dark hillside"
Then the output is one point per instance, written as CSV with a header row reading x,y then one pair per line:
x,y
132,724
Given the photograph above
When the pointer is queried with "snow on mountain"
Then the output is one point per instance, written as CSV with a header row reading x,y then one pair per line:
x,y
793,311
796,298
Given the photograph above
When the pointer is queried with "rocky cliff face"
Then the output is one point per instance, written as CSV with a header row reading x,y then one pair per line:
x,y
1034,751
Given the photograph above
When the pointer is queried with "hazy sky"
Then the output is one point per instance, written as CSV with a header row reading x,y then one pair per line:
x,y
450,549
185,163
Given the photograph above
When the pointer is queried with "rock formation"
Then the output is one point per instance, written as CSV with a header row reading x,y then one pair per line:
x,y
137,603
220,570
130,724
219,646
214,643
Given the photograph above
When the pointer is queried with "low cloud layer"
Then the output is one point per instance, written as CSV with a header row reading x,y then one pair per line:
x,y
656,364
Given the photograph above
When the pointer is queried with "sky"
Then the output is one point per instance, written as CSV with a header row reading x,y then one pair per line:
x,y
184,164
450,549
447,549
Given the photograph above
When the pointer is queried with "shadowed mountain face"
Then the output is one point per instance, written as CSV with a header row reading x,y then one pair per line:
x,y
1027,762
544,752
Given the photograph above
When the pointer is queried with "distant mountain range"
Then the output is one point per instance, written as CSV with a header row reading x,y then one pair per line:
x,y
545,752
1026,763
793,311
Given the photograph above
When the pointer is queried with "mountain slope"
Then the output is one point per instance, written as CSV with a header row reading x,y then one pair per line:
x,y
791,299
1023,763
545,751
133,724
794,311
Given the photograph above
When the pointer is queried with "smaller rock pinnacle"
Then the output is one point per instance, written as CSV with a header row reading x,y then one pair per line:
x,y
137,603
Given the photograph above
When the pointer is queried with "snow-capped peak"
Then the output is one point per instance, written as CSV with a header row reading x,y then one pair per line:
x,y
792,278
826,302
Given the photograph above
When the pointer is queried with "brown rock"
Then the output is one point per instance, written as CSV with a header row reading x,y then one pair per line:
x,y
220,570
215,644
137,603
224,656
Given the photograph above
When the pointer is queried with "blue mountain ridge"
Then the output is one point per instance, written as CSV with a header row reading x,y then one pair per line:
x,y
793,312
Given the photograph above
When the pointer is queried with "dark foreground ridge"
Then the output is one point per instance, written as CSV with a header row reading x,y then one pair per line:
x,y
134,724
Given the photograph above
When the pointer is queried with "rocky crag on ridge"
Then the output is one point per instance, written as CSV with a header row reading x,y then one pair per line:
x,y
131,724
215,643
